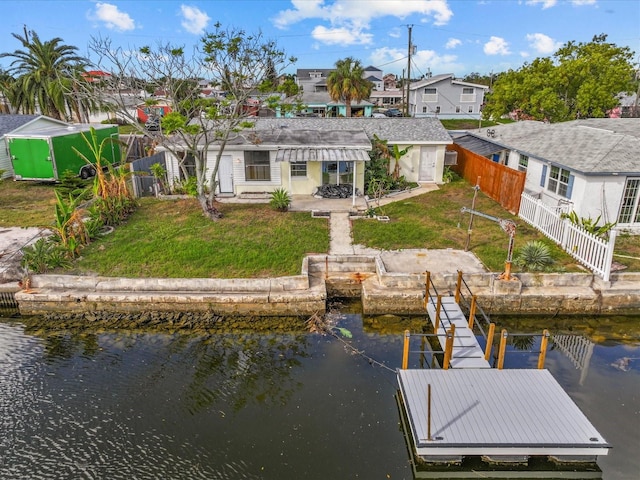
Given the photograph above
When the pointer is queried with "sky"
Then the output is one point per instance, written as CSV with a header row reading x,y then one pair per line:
x,y
449,36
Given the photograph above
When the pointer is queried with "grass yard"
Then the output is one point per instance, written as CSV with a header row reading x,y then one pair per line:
x,y
26,204
172,239
434,220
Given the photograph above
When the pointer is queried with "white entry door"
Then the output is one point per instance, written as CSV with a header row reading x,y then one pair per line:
x,y
427,164
225,174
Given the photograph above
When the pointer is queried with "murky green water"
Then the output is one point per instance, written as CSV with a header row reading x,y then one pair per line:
x,y
149,405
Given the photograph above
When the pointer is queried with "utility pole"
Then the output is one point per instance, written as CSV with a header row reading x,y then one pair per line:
x,y
410,48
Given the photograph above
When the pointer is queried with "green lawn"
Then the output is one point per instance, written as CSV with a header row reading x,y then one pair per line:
x,y
173,239
26,204
434,220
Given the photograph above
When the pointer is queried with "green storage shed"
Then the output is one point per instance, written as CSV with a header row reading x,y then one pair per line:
x,y
45,154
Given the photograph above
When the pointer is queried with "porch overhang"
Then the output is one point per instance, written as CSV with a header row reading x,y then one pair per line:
x,y
314,154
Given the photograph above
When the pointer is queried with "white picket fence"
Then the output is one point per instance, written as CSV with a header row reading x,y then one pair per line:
x,y
593,252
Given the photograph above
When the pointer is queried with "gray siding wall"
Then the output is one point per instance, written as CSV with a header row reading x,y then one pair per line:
x,y
450,100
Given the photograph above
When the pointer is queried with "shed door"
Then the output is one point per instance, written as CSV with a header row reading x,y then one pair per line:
x,y
31,158
427,164
225,174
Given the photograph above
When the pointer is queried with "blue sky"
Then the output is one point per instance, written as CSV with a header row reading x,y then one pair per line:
x,y
451,36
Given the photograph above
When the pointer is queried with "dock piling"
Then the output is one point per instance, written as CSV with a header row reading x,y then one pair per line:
x,y
543,348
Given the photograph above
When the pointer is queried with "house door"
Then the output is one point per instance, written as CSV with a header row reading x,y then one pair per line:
x,y
225,174
427,164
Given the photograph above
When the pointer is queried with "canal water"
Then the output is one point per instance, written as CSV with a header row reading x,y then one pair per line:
x,y
92,404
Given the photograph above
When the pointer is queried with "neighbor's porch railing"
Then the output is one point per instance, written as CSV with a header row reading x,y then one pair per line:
x,y
593,252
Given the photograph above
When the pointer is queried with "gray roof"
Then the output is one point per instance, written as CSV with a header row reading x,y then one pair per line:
x,y
395,130
477,145
590,146
9,122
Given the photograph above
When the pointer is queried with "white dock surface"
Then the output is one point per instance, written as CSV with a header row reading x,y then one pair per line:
x,y
466,351
496,412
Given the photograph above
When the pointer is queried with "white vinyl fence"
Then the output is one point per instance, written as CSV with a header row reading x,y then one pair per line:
x,y
593,252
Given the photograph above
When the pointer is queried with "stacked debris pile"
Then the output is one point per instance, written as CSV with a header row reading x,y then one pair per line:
x,y
334,191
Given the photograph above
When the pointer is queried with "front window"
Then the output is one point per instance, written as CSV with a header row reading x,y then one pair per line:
x,y
299,170
257,166
559,181
467,91
630,211
523,163
470,108
430,91
424,109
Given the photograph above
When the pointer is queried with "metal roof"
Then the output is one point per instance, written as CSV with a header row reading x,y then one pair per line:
x,y
321,155
496,412
477,145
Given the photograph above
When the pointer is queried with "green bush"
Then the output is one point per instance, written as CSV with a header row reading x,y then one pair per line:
x,y
280,199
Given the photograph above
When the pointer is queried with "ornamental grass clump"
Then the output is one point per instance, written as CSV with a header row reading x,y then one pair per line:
x,y
534,256
280,199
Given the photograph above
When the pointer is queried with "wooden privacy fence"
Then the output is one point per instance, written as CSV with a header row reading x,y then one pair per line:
x,y
593,252
499,182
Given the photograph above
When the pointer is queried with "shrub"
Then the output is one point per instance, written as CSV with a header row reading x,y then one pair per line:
x,y
280,199
45,254
534,256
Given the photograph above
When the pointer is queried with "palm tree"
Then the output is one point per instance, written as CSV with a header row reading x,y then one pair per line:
x,y
346,83
42,71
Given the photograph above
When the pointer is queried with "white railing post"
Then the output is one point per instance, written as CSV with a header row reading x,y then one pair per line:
x,y
609,255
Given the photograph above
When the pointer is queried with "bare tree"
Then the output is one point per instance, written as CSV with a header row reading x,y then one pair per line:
x,y
233,61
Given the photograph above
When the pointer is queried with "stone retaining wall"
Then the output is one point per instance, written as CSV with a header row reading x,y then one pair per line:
x,y
381,292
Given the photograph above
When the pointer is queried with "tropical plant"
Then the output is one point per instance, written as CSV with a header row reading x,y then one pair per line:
x,y
449,175
160,174
378,178
44,73
111,192
72,185
534,256
590,225
346,83
44,255
280,199
69,229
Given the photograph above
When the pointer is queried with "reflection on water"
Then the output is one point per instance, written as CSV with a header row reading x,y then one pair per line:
x,y
89,404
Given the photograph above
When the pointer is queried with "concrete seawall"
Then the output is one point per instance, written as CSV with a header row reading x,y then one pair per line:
x,y
323,276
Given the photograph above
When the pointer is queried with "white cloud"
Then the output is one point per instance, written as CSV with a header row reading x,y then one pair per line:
x,y
340,36
340,16
496,46
452,43
113,18
541,43
545,3
194,20
583,2
423,61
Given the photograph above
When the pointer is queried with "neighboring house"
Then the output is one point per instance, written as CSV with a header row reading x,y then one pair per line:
x,y
375,76
390,82
145,111
387,98
14,123
300,154
315,95
445,97
590,166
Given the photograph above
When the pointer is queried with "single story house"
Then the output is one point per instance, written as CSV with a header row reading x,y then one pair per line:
x,y
590,166
445,97
10,123
301,154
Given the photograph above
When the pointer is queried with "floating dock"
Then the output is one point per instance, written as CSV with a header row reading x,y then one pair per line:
x,y
468,409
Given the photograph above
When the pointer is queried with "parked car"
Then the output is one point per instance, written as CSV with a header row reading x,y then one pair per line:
x,y
378,115
393,112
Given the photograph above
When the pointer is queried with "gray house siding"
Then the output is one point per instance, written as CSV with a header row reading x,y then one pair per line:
x,y
444,97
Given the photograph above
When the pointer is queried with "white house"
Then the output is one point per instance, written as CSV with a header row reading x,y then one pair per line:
x,y
590,166
301,154
445,97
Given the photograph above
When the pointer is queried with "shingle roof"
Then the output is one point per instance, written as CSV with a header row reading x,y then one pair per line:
x,y
9,122
591,146
395,130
